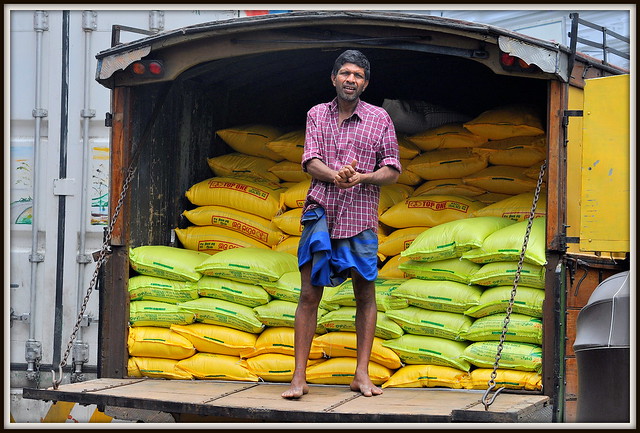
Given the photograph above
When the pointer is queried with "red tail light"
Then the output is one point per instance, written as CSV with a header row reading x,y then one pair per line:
x,y
148,68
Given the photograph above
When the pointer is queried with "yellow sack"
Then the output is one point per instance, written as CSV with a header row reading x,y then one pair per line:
x,y
516,151
503,273
288,171
249,265
452,239
289,222
505,122
235,163
491,197
515,356
250,295
154,342
344,319
503,179
442,324
407,149
251,139
211,239
216,338
510,379
516,208
407,177
458,270
218,367
448,187
390,270
296,195
153,313
522,329
427,376
250,225
429,210
448,163
340,371
146,288
224,313
449,136
289,146
495,300
157,368
279,339
392,194
505,245
274,367
420,349
132,368
343,343
289,246
434,295
250,194
399,240
166,262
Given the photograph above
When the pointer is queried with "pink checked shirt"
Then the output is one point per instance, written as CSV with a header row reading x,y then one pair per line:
x,y
369,137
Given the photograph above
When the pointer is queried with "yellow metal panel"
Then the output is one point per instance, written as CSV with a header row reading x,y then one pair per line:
x,y
574,168
605,198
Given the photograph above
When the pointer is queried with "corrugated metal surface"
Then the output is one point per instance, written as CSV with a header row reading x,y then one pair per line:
x,y
553,24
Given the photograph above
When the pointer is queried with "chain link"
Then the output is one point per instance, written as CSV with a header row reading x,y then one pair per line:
x,y
492,381
102,258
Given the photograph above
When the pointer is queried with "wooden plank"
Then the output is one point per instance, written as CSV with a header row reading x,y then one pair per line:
x,y
262,401
571,375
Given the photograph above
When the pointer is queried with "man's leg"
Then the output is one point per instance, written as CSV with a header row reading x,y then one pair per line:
x,y
366,315
306,323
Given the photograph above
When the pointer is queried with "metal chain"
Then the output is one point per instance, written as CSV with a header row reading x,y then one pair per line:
x,y
492,381
102,258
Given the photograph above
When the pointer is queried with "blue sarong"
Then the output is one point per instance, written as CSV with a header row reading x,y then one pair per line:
x,y
333,259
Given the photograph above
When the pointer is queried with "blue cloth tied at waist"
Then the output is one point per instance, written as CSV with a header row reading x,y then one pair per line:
x,y
333,259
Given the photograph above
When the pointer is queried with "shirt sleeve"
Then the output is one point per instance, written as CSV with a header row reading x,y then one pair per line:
x,y
312,140
389,153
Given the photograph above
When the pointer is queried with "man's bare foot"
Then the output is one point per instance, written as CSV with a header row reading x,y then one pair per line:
x,y
365,387
296,391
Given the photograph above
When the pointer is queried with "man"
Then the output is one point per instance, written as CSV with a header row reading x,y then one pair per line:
x,y
350,150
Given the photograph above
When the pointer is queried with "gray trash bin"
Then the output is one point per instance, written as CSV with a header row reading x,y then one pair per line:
x,y
602,353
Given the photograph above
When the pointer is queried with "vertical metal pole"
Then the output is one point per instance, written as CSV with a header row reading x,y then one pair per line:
x,y
33,348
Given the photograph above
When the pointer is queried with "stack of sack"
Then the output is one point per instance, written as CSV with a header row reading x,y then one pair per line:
x,y
449,239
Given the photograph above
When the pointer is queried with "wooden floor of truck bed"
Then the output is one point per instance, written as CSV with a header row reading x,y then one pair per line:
x,y
261,402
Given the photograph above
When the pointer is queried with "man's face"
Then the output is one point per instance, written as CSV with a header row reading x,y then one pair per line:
x,y
349,82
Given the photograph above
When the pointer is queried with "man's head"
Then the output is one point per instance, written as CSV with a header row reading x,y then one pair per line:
x,y
350,75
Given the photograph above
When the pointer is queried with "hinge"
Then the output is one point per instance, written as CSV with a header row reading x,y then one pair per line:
x,y
570,113
108,120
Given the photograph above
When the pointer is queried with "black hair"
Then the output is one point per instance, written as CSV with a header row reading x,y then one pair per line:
x,y
355,57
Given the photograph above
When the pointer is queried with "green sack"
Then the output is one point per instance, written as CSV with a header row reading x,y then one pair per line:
x,y
420,349
224,313
167,262
146,288
503,273
162,314
250,295
521,328
448,296
514,356
505,244
458,270
441,324
453,238
344,319
495,300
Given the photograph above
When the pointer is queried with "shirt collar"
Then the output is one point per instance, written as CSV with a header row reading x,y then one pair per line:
x,y
359,111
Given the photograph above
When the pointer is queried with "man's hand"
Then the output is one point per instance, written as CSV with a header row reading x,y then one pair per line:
x,y
347,176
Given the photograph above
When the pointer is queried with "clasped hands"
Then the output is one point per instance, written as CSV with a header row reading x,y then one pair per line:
x,y
347,176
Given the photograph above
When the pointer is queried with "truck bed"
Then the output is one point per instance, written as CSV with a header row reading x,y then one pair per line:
x,y
261,402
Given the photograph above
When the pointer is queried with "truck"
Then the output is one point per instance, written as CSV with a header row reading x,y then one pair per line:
x,y
270,69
